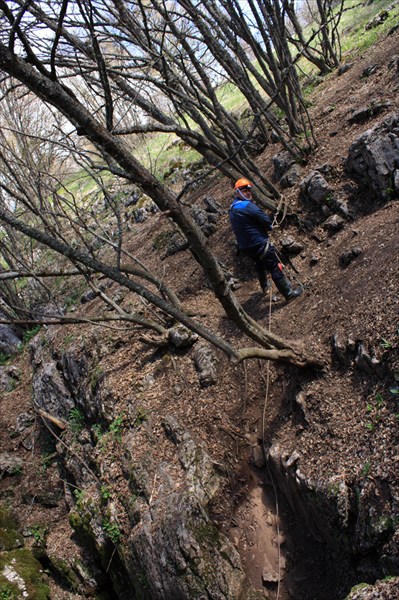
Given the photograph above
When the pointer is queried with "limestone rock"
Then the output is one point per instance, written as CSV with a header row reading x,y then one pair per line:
x,y
50,391
9,378
204,220
340,349
182,554
347,257
205,362
270,574
315,188
24,420
364,113
387,589
257,456
344,68
200,472
181,337
333,224
291,246
23,574
10,342
373,157
10,464
378,19
367,364
212,206
286,171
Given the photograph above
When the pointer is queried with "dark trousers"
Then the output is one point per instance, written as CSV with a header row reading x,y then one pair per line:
x,y
265,262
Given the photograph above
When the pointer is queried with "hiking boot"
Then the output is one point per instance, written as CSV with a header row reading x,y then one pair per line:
x,y
285,288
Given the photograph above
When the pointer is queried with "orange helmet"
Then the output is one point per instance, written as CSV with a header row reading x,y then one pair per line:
x,y
242,183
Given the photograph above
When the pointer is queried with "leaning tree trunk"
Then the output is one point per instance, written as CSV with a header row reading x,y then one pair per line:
x,y
62,99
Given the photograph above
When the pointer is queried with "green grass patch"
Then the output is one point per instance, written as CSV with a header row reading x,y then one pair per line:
x,y
355,38
158,150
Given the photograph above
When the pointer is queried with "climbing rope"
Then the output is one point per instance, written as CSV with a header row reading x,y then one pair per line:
x,y
282,206
265,456
290,267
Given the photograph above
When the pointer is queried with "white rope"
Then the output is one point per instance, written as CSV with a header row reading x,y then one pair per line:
x,y
265,457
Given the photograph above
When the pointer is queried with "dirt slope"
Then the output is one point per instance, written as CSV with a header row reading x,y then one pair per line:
x,y
344,425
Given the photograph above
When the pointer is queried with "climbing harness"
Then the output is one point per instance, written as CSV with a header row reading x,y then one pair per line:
x,y
265,249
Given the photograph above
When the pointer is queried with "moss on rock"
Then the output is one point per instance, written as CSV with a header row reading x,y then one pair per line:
x,y
22,574
7,519
10,539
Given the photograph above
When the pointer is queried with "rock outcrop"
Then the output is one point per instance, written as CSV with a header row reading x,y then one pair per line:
x,y
373,158
156,540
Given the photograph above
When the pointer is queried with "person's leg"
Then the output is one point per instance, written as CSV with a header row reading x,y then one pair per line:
x,y
272,264
261,269
262,276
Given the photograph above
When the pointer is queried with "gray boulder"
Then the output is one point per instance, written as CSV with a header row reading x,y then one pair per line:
x,y
205,362
281,163
315,189
9,378
349,255
181,337
286,170
9,340
291,246
333,224
374,158
364,113
50,392
369,365
10,464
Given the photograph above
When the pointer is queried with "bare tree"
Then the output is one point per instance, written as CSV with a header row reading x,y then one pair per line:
x,y
34,75
322,46
113,71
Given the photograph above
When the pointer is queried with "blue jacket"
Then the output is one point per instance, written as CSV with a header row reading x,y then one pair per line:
x,y
250,224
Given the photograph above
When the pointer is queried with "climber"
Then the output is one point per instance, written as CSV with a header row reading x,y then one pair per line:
x,y
251,227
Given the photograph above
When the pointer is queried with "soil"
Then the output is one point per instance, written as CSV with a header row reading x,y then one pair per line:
x,y
342,422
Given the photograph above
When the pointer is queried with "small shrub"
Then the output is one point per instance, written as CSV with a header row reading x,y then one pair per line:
x,y
116,427
47,460
68,339
96,376
98,431
76,420
366,469
386,344
105,492
162,240
111,530
4,358
79,495
39,534
28,335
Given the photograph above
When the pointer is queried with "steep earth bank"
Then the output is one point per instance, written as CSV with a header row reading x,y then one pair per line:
x,y
258,480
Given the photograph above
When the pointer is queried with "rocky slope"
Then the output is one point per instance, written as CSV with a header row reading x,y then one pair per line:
x,y
166,472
